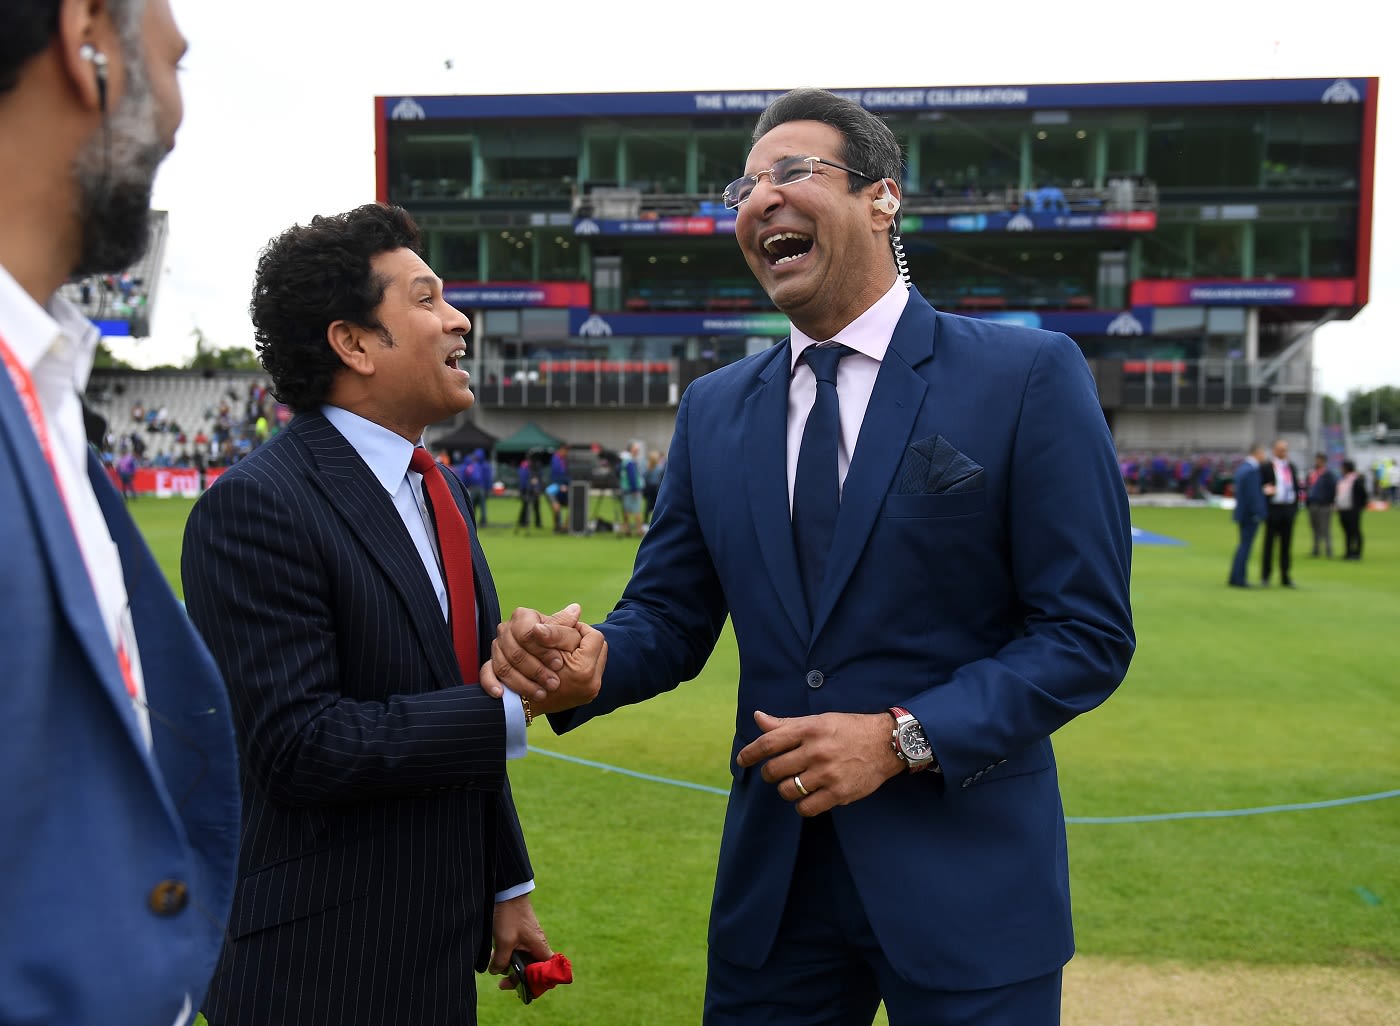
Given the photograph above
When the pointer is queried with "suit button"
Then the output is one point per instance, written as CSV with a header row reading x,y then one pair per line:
x,y
815,678
169,897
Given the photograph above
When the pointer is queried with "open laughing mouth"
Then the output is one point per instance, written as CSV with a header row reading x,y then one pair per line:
x,y
457,354
785,247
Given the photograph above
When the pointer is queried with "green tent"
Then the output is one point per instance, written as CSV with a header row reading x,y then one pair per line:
x,y
530,438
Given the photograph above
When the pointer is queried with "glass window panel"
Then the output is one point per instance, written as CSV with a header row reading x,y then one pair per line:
x,y
1313,149
1123,152
511,256
456,255
429,161
1332,252
1176,319
602,161
501,322
1206,148
721,161
1061,155
543,323
958,158
1224,320
1218,251
1166,253
559,256
656,163
1278,250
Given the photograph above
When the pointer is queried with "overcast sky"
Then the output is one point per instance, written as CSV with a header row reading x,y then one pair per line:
x,y
279,115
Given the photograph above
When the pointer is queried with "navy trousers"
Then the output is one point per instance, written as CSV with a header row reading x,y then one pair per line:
x,y
827,969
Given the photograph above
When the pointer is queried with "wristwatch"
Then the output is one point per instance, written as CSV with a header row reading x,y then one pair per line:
x,y
910,743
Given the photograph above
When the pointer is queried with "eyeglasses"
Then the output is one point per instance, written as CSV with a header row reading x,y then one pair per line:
x,y
788,171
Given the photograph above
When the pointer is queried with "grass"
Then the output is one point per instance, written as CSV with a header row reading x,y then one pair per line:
x,y
1235,700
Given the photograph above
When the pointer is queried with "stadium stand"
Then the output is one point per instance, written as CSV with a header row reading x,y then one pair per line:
x,y
174,417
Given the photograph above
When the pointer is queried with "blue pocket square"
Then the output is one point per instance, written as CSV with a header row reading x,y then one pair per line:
x,y
932,466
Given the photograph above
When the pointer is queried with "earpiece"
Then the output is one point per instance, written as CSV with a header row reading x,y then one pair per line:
x,y
885,202
98,59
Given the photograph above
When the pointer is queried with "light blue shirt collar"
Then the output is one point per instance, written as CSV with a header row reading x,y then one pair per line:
x,y
385,452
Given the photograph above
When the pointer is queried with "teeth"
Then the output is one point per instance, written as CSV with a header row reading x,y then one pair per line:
x,y
783,236
457,354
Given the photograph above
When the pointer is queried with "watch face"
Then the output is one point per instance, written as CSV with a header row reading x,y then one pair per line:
x,y
913,743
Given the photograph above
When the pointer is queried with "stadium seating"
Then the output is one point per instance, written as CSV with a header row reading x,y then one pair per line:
x,y
191,402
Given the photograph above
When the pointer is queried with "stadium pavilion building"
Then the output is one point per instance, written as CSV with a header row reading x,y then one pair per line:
x,y
1190,236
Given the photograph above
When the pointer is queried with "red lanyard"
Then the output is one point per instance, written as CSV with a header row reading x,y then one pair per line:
x,y
29,399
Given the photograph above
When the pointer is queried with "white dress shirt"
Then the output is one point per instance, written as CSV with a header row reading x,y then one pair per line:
x,y
1283,483
869,335
56,345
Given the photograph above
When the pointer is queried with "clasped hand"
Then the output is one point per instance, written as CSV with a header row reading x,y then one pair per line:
x,y
555,662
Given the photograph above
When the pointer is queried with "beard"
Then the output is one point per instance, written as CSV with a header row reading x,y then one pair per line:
x,y
115,173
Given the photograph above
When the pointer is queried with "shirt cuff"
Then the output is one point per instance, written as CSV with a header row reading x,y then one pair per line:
x,y
515,725
515,892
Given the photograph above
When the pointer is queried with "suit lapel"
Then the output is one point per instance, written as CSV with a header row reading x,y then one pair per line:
x,y
884,435
72,585
356,494
765,452
169,650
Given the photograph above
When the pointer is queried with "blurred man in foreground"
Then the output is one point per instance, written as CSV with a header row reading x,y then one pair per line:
x,y
120,808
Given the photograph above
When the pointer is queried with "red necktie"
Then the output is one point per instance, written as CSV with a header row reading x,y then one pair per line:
x,y
455,549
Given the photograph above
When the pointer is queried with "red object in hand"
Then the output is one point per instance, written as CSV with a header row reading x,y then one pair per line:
x,y
546,975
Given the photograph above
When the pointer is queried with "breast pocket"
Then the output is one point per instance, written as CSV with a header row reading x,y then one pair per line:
x,y
926,506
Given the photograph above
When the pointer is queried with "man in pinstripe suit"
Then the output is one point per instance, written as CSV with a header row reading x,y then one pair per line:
x,y
382,859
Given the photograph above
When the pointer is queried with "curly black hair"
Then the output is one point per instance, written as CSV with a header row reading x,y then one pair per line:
x,y
313,275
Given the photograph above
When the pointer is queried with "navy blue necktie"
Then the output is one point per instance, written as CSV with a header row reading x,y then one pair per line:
x,y
816,493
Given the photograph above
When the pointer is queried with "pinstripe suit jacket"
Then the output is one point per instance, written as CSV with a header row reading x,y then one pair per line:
x,y
377,822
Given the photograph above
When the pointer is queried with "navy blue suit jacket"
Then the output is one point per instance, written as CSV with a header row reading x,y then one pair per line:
x,y
979,578
93,821
378,824
1250,505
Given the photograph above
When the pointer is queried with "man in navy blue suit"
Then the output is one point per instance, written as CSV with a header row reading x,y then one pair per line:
x,y
119,811
1250,510
382,858
894,829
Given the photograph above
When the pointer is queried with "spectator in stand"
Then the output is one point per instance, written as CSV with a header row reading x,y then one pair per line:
x,y
1321,498
1351,501
629,482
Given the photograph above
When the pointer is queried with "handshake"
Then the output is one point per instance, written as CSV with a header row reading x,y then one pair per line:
x,y
553,662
